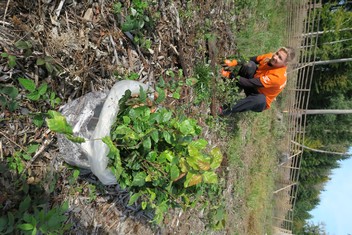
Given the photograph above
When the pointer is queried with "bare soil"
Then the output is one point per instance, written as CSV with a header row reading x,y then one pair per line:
x,y
91,53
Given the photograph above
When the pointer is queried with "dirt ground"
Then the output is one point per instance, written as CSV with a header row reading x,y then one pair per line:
x,y
90,53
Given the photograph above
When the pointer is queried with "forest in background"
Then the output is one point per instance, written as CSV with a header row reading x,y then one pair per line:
x,y
331,89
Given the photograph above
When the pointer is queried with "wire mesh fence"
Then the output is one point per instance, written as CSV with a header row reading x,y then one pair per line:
x,y
303,18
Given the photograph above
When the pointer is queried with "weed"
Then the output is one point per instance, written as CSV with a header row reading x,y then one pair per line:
x,y
16,161
29,219
34,93
8,97
11,59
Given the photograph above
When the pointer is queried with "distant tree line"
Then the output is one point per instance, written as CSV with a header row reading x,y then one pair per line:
x,y
331,89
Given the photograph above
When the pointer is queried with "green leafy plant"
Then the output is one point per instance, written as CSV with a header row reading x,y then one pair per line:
x,y
30,220
16,162
156,156
202,73
35,93
26,46
49,64
8,97
11,59
57,123
137,17
154,153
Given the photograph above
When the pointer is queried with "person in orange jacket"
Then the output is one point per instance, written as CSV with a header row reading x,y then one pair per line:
x,y
262,79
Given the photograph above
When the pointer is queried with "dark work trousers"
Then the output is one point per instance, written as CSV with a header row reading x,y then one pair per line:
x,y
254,101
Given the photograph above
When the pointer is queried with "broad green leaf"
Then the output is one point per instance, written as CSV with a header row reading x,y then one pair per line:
x,y
38,120
23,44
155,136
33,96
192,161
144,205
187,128
27,217
217,158
183,165
176,94
167,154
49,67
134,198
32,148
192,179
3,101
166,115
27,84
126,120
12,61
25,227
174,172
191,81
126,132
3,223
40,61
13,105
167,137
147,144
210,177
151,156
199,144
34,232
139,179
161,95
42,89
26,157
152,194
10,219
25,204
4,54
11,91
64,206
203,165
57,123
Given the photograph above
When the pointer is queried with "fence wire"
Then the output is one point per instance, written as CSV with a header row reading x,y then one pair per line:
x,y
303,17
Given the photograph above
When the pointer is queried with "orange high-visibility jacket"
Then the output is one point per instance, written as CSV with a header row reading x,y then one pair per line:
x,y
273,79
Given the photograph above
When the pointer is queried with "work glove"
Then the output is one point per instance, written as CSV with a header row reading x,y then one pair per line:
x,y
227,74
230,63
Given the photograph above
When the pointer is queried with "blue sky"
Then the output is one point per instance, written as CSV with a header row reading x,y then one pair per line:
x,y
335,208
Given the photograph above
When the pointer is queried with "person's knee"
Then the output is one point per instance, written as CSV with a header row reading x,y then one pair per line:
x,y
261,103
248,69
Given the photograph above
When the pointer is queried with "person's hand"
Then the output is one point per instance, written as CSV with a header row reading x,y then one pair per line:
x,y
230,63
227,74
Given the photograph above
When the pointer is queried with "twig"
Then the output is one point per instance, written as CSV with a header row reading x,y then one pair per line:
x,y
1,152
114,47
4,22
58,10
46,143
7,6
12,141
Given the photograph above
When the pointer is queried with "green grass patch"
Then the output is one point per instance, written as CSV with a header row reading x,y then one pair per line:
x,y
260,26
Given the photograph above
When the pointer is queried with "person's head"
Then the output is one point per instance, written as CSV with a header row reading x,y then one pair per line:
x,y
282,56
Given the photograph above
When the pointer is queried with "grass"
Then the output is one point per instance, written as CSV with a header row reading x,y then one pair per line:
x,y
260,27
252,146
252,158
